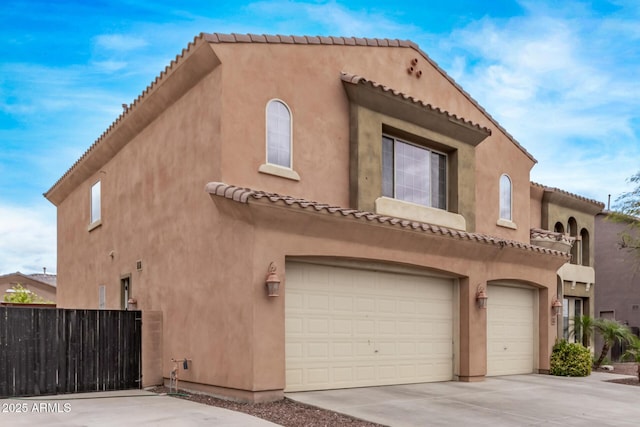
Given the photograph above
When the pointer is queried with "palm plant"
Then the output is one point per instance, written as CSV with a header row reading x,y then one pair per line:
x,y
611,332
633,352
583,329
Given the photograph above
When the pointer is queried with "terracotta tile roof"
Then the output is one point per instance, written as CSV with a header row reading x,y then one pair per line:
x,y
355,79
566,193
305,40
560,237
245,195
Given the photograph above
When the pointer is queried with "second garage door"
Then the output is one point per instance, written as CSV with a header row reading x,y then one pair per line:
x,y
510,330
352,328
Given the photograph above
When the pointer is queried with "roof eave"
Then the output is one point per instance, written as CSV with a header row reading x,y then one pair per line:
x,y
377,97
249,196
196,61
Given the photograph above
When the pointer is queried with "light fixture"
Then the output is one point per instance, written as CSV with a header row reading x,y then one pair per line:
x,y
556,306
273,281
481,297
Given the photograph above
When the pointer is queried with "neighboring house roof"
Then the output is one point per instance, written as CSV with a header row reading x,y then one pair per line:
x,y
245,195
46,279
50,279
619,215
247,38
568,199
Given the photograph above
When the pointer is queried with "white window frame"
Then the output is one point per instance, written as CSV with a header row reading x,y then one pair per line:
x,y
506,212
272,168
504,222
430,151
95,205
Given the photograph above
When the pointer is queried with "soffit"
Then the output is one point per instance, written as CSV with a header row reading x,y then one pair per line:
x,y
391,102
247,196
569,200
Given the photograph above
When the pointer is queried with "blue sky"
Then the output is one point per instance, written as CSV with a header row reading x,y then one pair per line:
x,y
563,77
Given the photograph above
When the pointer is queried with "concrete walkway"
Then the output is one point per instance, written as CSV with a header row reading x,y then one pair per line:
x,y
520,400
118,408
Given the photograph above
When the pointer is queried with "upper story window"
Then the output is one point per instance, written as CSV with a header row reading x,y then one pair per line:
x,y
505,198
95,202
278,134
279,142
413,173
585,247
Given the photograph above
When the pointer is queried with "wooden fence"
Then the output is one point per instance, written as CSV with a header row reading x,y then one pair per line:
x,y
53,351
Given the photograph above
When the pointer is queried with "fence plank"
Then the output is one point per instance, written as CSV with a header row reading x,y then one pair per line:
x,y
4,349
49,351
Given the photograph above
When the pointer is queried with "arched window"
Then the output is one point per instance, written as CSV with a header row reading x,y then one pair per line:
x,y
558,228
584,235
505,197
278,134
573,232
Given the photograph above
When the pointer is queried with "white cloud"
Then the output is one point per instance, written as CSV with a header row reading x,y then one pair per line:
x,y
119,42
549,78
28,241
110,66
332,18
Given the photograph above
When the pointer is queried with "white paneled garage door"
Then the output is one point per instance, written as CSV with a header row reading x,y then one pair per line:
x,y
510,330
353,328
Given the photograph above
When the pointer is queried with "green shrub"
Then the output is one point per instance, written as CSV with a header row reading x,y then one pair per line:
x,y
570,360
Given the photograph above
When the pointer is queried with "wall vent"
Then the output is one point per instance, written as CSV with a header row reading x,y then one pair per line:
x,y
139,265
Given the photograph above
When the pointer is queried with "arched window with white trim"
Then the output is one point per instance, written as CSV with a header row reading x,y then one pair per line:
x,y
505,198
279,134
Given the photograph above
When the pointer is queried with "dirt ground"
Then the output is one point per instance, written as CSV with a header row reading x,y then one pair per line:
x,y
288,413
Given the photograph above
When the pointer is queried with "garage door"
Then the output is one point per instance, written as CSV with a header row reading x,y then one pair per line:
x,y
510,331
353,328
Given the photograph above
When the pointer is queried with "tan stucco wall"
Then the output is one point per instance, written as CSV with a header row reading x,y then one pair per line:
x,y
204,262
280,234
321,136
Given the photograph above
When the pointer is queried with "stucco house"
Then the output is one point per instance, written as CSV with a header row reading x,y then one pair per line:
x,y
618,273
572,219
41,284
392,210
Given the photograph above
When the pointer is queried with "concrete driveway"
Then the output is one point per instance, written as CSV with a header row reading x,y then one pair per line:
x,y
520,400
118,408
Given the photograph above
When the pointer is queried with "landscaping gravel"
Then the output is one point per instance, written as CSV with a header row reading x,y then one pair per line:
x,y
285,412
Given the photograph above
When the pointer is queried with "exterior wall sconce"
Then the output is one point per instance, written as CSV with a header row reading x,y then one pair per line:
x,y
556,309
556,306
273,281
481,297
